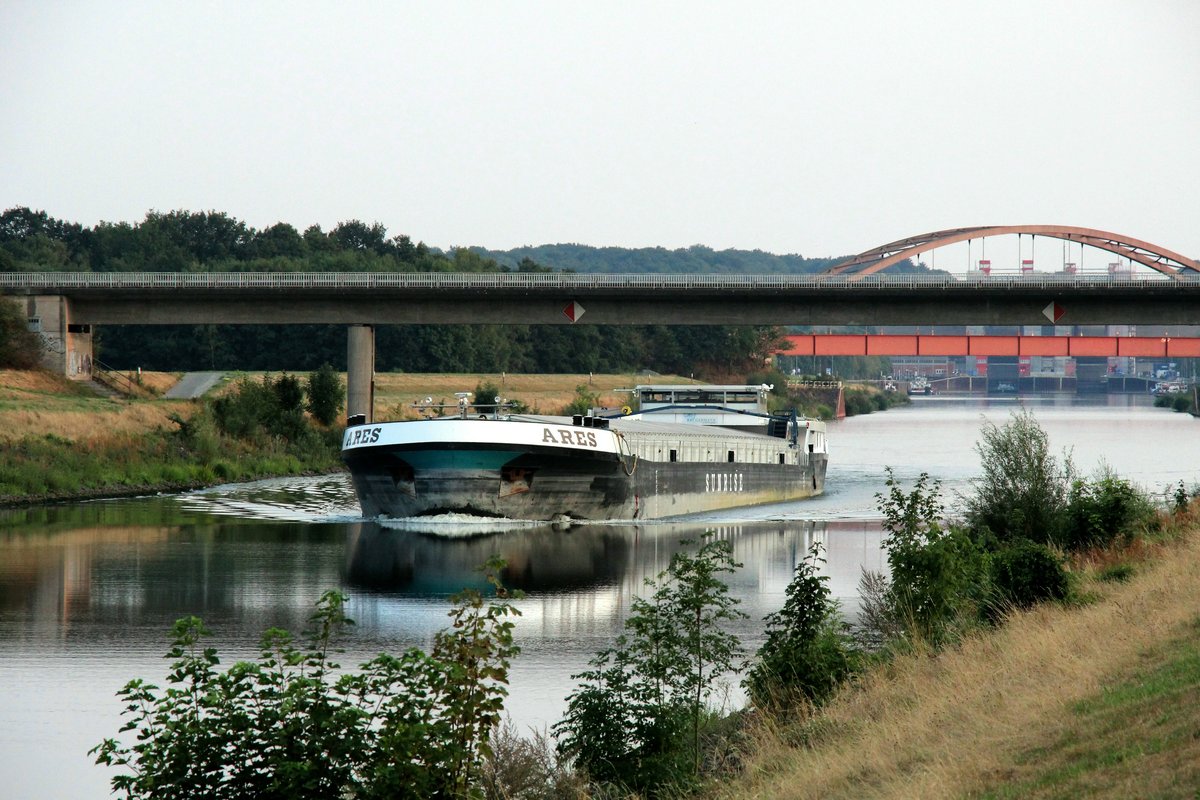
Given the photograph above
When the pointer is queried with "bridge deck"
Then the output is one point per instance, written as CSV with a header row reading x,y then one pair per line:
x,y
634,299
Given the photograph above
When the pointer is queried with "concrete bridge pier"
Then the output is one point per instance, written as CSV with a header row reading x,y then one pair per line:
x,y
360,372
66,346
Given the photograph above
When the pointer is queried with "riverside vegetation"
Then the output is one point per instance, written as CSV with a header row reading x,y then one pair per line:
x,y
61,441
937,691
78,445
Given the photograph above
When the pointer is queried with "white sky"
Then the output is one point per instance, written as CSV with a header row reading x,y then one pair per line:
x,y
820,128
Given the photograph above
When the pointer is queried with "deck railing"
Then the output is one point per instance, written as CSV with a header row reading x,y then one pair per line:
x,y
61,281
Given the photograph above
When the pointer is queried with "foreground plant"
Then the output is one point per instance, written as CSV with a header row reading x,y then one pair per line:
x,y
635,722
808,652
290,725
937,575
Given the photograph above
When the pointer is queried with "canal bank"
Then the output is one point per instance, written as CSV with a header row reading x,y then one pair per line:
x,y
61,442
1100,701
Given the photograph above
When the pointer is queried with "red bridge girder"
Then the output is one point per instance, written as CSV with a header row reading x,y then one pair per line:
x,y
872,344
1158,258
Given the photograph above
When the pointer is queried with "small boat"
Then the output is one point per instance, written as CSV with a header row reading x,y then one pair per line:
x,y
919,385
647,464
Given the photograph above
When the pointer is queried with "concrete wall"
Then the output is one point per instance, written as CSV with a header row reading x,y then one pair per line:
x,y
66,346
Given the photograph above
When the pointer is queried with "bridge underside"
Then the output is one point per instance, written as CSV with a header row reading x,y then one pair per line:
x,y
835,344
901,306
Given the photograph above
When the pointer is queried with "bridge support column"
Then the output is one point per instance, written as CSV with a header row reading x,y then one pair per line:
x,y
66,346
360,372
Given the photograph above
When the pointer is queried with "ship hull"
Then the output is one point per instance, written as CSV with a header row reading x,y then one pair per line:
x,y
551,471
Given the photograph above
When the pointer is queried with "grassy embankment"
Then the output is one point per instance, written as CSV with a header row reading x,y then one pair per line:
x,y
58,440
1101,700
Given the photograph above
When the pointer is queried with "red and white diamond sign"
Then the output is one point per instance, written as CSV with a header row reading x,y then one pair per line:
x,y
1054,312
573,311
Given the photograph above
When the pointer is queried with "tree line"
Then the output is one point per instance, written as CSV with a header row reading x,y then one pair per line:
x,y
183,241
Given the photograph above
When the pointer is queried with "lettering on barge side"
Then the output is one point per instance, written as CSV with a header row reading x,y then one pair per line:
x,y
568,436
357,436
724,482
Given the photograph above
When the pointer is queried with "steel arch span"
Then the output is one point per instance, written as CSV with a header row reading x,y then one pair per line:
x,y
1158,258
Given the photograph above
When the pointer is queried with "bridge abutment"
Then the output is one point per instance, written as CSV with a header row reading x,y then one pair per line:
x,y
66,345
360,371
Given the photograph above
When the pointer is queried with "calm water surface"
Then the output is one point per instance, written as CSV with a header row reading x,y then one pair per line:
x,y
89,590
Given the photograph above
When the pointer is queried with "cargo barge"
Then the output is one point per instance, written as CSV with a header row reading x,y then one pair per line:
x,y
630,466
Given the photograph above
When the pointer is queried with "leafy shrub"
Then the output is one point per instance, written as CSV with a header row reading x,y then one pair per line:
x,y
635,720
772,377
808,653
1181,402
485,398
288,725
271,407
936,571
20,348
1022,491
1100,511
585,400
1026,573
325,394
1181,499
858,402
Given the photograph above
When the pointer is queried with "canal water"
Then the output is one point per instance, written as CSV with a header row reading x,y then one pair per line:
x,y
89,590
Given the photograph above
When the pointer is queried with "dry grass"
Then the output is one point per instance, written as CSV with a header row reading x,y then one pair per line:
x,y
962,722
37,403
101,420
157,382
545,394
19,380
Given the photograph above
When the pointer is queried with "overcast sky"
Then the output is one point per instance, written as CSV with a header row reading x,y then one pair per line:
x,y
820,128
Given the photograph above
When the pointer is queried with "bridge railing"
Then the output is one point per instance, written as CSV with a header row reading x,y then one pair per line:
x,y
57,281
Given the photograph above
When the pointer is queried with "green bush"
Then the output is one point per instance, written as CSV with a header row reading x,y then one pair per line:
x,y
485,398
1100,511
1181,402
292,725
325,394
20,348
936,571
585,399
808,652
635,721
270,407
857,403
1026,573
1022,492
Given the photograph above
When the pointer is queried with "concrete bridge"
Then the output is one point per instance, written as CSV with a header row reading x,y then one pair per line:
x,y
63,307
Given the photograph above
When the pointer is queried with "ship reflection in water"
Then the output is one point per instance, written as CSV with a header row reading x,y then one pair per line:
x,y
417,560
541,559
